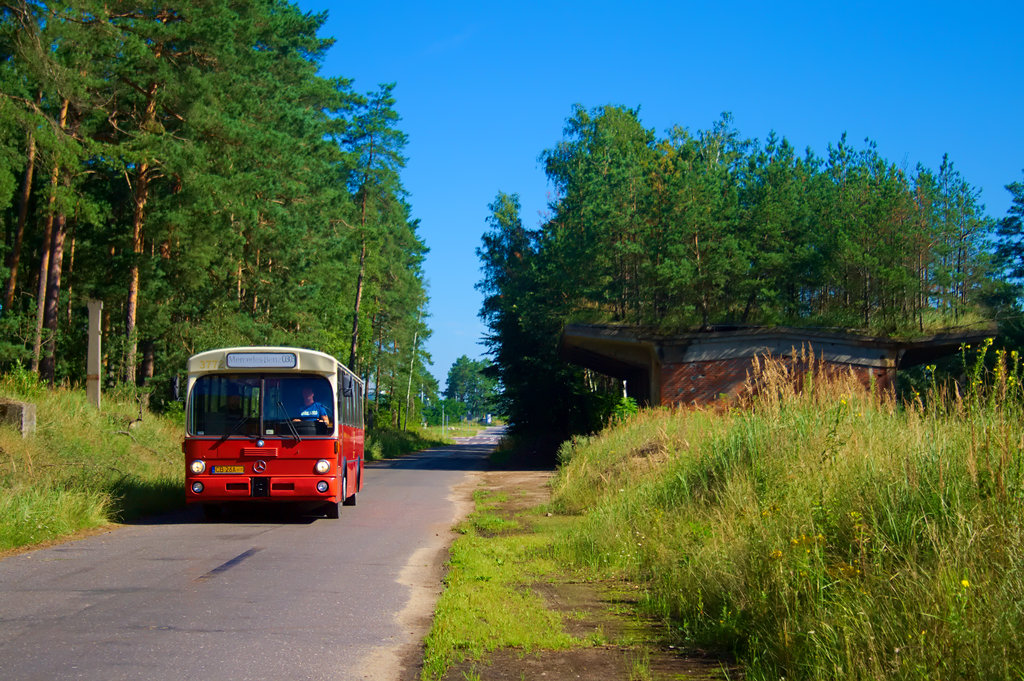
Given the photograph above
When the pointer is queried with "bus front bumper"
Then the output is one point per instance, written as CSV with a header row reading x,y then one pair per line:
x,y
219,488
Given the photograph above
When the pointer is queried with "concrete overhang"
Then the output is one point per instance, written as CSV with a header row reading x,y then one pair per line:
x,y
613,351
636,355
619,352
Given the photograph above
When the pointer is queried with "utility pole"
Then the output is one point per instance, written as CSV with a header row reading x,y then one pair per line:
x,y
94,357
412,360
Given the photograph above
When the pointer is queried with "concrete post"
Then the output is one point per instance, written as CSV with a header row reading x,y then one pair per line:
x,y
94,357
21,415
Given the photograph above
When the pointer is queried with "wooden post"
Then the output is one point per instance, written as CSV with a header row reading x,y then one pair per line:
x,y
94,357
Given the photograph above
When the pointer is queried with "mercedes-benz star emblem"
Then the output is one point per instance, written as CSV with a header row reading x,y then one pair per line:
x,y
259,466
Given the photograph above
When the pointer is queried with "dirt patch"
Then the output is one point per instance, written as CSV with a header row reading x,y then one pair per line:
x,y
623,644
589,611
523,489
603,663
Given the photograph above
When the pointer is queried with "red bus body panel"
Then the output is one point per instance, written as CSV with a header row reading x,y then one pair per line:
x,y
287,464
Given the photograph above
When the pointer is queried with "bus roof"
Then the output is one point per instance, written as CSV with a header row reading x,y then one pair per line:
x,y
264,358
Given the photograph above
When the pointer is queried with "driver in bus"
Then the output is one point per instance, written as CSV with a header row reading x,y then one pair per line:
x,y
313,410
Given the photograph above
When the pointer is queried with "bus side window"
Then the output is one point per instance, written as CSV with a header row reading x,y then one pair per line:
x,y
342,414
345,397
359,405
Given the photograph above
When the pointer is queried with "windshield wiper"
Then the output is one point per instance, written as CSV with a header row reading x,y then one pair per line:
x,y
238,426
288,421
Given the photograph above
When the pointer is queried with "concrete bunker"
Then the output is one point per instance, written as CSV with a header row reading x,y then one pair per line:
x,y
700,367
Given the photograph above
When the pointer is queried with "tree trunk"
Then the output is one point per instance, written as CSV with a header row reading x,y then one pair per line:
x,y
47,366
396,411
44,260
353,355
412,365
148,361
44,270
26,192
704,303
71,276
131,317
376,380
140,196
255,290
920,292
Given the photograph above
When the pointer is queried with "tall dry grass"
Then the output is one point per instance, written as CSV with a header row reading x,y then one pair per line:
x,y
821,532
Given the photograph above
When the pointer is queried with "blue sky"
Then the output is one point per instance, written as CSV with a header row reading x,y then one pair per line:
x,y
483,88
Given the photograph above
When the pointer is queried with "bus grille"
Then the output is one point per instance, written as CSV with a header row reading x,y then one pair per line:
x,y
261,487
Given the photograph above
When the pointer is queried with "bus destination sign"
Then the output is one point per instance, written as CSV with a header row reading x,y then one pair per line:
x,y
261,360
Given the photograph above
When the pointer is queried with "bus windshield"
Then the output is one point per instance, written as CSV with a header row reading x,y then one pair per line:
x,y
261,404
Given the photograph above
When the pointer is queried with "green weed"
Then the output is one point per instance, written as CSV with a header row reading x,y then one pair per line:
x,y
640,665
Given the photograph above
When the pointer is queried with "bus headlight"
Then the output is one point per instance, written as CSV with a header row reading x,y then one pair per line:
x,y
197,466
197,487
321,486
322,466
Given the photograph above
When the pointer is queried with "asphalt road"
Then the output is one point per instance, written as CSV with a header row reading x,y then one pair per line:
x,y
262,595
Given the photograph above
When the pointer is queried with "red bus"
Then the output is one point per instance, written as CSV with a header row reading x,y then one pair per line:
x,y
272,424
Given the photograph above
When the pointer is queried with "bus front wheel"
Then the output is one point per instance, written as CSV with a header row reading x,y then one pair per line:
x,y
349,500
333,508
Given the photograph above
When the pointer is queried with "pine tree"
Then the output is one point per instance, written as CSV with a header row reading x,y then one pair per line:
x,y
377,147
1010,232
200,154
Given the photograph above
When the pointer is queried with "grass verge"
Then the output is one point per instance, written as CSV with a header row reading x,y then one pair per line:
x,y
453,430
83,468
487,604
390,444
514,608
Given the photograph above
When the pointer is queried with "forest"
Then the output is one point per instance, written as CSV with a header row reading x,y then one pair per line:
x,y
184,163
703,228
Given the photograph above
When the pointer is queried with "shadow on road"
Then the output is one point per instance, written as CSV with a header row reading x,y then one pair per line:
x,y
245,513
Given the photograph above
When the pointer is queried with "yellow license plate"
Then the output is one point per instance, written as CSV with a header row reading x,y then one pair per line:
x,y
227,469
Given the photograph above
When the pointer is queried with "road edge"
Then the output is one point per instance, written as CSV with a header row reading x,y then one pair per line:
x,y
423,577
